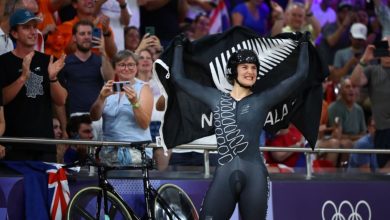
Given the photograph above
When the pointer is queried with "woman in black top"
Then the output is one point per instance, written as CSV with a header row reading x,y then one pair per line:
x,y
239,116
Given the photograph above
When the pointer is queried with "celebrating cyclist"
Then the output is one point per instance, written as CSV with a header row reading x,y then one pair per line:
x,y
241,176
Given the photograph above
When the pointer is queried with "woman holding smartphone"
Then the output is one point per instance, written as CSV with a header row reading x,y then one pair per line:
x,y
126,113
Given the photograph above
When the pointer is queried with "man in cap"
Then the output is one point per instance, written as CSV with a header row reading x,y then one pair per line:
x,y
346,59
377,79
29,86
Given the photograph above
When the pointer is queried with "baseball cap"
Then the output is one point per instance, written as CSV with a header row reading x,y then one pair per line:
x,y
359,31
22,16
344,4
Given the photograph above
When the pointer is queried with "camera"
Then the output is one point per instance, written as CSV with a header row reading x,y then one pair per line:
x,y
118,86
382,49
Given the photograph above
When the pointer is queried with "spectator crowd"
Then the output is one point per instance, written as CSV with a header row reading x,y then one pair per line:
x,y
82,69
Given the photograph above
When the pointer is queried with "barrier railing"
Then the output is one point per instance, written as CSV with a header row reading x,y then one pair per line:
x,y
206,147
307,151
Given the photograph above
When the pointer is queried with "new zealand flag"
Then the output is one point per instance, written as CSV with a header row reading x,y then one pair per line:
x,y
187,119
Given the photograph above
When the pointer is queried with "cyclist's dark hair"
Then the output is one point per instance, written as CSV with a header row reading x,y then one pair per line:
x,y
74,123
239,57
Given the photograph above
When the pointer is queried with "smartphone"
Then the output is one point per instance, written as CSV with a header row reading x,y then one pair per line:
x,y
118,86
382,49
96,32
150,30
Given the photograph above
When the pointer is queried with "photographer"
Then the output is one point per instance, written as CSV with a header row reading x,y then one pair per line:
x,y
84,74
126,108
377,79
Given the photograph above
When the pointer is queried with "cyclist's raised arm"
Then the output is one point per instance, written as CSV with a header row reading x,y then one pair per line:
x,y
207,95
284,88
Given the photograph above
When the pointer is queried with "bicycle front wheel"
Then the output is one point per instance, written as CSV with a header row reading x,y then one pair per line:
x,y
174,197
84,206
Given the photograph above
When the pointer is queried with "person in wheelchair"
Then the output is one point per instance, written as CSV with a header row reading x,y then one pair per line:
x,y
126,108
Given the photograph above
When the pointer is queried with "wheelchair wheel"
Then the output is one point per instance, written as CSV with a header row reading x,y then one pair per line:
x,y
84,205
173,196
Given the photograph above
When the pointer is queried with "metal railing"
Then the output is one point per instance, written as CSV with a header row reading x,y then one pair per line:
x,y
307,151
206,147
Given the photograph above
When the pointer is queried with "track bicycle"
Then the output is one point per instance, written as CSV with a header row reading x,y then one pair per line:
x,y
169,201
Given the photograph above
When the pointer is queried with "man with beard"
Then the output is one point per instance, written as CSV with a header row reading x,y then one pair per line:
x,y
85,72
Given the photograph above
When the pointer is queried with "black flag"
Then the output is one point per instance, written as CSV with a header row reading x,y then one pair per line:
x,y
186,119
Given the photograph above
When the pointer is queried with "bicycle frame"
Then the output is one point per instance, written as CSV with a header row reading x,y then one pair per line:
x,y
106,186
149,192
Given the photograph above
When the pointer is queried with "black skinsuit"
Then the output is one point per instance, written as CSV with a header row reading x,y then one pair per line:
x,y
241,175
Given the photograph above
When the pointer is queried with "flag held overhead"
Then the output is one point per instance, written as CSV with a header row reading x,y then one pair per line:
x,y
186,119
